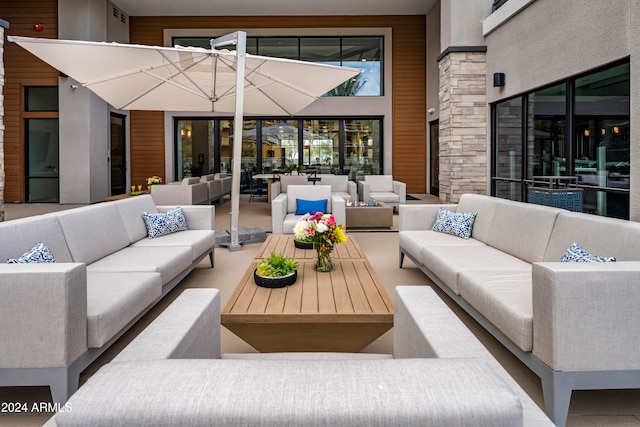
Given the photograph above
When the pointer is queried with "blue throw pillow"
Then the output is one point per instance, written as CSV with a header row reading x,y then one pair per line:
x,y
459,224
575,253
310,206
39,253
160,224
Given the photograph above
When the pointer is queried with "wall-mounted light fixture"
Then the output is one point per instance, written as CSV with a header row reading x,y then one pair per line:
x,y
431,110
74,87
498,79
616,129
586,132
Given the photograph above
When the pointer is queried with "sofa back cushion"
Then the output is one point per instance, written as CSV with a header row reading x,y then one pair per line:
x,y
522,229
93,232
420,391
20,235
338,183
307,192
485,207
209,177
379,183
191,180
131,210
605,237
287,180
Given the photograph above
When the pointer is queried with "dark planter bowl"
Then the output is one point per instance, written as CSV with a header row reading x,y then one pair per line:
x,y
303,245
274,282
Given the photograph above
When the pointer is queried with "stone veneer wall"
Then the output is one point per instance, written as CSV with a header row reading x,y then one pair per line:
x,y
464,152
1,122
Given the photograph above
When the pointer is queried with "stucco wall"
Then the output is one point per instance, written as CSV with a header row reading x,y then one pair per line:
x,y
551,40
84,117
433,50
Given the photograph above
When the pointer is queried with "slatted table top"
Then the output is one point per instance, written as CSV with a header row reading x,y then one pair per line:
x,y
351,295
283,243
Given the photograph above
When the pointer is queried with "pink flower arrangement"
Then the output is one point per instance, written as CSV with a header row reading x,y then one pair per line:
x,y
321,229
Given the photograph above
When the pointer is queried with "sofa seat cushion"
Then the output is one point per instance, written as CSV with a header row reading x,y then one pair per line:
x,y
412,241
447,262
400,392
385,197
505,299
200,241
169,261
115,299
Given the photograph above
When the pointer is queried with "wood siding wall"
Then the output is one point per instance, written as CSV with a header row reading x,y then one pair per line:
x,y
23,69
147,146
147,128
409,83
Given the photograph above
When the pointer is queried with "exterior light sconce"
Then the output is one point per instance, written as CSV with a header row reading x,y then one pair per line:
x,y
74,87
498,79
586,132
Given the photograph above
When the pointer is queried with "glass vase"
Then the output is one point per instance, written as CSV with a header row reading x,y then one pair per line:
x,y
323,262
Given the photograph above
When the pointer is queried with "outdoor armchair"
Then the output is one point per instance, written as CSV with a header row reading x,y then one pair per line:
x,y
341,186
382,188
189,191
285,181
286,209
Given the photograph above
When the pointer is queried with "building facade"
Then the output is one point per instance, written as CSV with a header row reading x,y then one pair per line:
x,y
473,96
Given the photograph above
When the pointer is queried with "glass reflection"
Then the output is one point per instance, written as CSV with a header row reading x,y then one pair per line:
x,y
321,142
362,148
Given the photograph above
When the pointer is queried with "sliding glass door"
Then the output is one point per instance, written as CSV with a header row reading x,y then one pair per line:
x,y
339,146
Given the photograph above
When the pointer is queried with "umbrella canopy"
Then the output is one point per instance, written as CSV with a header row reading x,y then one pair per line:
x,y
137,77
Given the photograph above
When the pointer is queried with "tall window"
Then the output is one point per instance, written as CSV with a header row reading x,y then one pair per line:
x,y
42,144
546,137
356,52
279,144
578,128
322,145
508,149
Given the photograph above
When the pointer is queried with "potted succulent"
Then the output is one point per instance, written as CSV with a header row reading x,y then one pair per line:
x,y
276,271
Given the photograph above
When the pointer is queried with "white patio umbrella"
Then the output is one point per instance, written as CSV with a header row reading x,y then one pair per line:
x,y
138,77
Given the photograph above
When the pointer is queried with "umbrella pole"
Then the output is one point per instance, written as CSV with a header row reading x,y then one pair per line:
x,y
241,51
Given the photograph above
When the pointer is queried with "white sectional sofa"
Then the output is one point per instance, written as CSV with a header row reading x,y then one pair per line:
x,y
57,318
172,374
574,324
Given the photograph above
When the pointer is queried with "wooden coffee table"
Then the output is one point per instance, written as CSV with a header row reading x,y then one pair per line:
x,y
343,311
